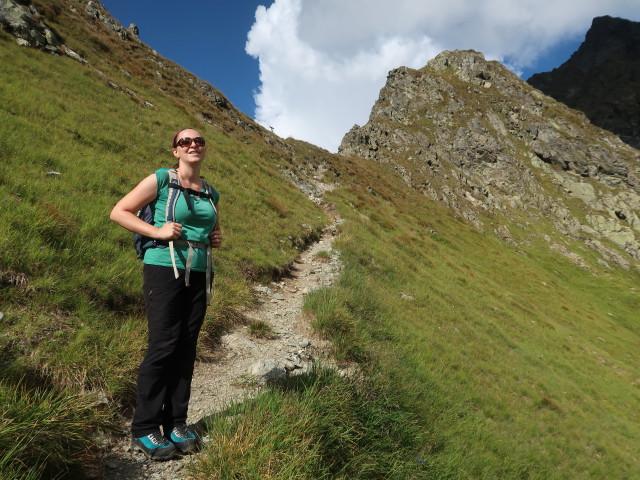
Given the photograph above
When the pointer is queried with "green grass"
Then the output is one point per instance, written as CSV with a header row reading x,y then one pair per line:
x,y
479,360
316,426
260,329
519,364
323,255
46,434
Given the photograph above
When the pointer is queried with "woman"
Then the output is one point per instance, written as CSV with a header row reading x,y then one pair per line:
x,y
176,290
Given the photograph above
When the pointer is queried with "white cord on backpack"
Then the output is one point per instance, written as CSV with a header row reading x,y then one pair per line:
x,y
173,259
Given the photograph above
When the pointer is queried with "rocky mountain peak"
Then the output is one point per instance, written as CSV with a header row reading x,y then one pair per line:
x,y
469,133
608,37
471,67
602,78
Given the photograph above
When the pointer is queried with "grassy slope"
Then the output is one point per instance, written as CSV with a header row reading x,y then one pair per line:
x,y
69,281
56,234
516,366
520,364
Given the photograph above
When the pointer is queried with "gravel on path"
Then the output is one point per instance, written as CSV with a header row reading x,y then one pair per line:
x,y
245,362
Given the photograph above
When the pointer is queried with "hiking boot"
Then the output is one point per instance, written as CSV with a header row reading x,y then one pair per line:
x,y
184,439
155,446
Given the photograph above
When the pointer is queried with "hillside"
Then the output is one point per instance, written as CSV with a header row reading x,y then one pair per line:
x,y
468,133
601,78
494,323
489,291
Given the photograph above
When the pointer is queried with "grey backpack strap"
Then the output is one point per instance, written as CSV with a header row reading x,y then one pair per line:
x,y
209,190
172,196
170,212
209,279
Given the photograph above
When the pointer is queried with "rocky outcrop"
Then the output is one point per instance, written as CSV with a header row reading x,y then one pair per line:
x,y
602,78
95,10
24,22
22,19
471,134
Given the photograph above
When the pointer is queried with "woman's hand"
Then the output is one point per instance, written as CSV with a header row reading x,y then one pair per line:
x,y
168,231
216,238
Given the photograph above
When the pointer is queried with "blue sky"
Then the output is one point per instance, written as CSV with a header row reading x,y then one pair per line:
x,y
312,68
208,41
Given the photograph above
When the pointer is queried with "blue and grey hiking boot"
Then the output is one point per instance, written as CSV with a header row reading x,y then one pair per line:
x,y
155,446
184,439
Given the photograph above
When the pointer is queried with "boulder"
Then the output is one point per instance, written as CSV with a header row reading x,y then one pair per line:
x,y
27,27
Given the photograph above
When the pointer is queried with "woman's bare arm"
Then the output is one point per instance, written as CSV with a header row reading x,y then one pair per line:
x,y
124,212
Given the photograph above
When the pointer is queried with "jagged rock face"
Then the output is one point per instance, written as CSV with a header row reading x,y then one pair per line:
x,y
95,10
24,22
602,78
471,134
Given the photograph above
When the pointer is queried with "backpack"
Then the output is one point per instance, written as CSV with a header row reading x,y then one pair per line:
x,y
141,243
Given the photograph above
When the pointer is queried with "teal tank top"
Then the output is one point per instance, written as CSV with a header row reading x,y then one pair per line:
x,y
196,225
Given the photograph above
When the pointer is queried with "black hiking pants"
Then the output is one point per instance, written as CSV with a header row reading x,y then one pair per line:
x,y
175,313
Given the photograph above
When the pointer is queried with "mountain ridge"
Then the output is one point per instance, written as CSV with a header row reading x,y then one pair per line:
x,y
32,23
601,77
500,139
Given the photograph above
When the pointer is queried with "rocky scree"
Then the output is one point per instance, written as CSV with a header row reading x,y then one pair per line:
x,y
470,134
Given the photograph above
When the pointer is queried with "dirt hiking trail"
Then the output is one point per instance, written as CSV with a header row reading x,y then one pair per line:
x,y
243,362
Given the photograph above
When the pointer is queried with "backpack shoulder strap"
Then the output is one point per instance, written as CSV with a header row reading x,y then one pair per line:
x,y
172,195
170,213
209,278
209,190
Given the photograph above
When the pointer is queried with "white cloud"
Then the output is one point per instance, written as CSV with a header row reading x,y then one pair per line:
x,y
323,62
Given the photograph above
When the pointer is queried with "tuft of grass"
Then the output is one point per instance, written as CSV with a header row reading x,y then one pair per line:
x,y
46,434
336,316
323,256
277,207
315,426
260,329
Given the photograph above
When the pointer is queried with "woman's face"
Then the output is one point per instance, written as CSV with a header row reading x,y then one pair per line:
x,y
189,152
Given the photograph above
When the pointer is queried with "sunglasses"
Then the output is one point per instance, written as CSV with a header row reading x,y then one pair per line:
x,y
186,142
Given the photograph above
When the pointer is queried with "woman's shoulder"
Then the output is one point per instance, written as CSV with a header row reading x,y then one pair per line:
x,y
162,176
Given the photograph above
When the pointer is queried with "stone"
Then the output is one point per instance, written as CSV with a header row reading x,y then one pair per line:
x,y
134,30
92,10
265,370
27,27
261,289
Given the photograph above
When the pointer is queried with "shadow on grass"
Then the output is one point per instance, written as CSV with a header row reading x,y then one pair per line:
x,y
314,425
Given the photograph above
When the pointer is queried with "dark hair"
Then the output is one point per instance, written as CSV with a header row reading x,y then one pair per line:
x,y
175,137
174,144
